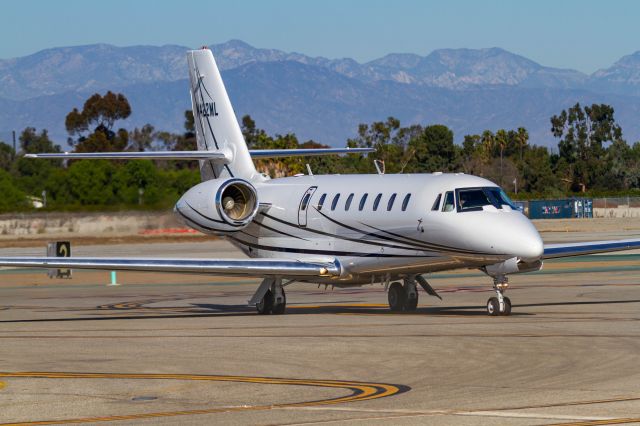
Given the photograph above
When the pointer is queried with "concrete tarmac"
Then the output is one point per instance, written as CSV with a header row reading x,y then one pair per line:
x,y
169,348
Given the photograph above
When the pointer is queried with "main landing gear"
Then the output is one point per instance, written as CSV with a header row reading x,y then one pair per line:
x,y
403,297
500,305
270,297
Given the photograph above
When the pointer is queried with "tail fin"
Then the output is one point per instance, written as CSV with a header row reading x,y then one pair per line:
x,y
216,125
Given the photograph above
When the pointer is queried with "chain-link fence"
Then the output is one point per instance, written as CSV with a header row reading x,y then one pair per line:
x,y
616,207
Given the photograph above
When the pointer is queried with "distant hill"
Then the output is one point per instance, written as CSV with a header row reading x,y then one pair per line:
x,y
469,90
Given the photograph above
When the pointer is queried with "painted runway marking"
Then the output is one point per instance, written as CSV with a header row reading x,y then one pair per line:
x,y
360,391
506,412
601,422
478,413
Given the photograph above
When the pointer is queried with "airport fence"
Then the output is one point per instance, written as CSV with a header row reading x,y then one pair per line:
x,y
616,207
613,207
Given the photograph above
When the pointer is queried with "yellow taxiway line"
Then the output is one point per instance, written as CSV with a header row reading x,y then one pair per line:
x,y
360,391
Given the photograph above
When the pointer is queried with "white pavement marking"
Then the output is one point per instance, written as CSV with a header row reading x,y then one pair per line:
x,y
478,413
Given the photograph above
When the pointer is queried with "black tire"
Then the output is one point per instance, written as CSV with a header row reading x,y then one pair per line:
x,y
397,297
412,303
265,306
507,307
493,307
278,308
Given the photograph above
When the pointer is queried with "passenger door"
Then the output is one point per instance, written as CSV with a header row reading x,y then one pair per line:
x,y
303,208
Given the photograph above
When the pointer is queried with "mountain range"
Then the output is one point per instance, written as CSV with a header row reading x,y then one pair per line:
x,y
469,90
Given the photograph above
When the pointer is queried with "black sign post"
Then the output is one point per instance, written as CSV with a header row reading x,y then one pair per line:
x,y
59,249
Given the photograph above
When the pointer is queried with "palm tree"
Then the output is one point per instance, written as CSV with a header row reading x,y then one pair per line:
x,y
501,140
487,142
523,139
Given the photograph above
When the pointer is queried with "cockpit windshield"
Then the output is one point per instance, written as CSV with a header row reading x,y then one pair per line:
x,y
501,197
474,199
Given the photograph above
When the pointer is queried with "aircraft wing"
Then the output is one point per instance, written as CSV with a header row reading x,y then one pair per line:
x,y
226,267
552,251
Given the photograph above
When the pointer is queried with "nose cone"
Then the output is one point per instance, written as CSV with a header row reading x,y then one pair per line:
x,y
521,239
530,246
507,234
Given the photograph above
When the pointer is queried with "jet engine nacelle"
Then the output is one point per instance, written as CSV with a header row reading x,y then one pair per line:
x,y
219,206
512,266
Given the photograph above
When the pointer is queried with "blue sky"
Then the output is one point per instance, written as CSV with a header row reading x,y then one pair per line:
x,y
584,35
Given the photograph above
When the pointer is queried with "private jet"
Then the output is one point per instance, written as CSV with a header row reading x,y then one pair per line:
x,y
336,230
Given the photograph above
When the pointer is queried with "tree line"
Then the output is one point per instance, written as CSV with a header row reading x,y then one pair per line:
x,y
592,158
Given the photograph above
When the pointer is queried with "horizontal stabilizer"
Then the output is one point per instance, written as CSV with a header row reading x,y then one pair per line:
x,y
224,267
273,153
135,155
197,155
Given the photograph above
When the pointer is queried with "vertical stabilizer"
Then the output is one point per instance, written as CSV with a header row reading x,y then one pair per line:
x,y
216,125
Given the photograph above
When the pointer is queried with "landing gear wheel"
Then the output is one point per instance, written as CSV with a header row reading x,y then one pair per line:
x,y
397,297
507,307
412,303
265,306
493,307
278,308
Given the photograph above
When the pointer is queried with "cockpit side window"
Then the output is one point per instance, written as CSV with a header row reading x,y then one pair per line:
x,y
436,204
448,204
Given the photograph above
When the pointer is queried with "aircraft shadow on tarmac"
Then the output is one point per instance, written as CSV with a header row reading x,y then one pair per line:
x,y
218,310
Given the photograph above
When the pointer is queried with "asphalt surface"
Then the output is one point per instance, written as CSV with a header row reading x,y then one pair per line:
x,y
167,348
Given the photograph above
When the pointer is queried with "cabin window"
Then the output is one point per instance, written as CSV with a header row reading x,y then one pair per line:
x,y
390,203
348,203
405,202
436,204
363,200
321,202
448,204
376,202
305,201
334,203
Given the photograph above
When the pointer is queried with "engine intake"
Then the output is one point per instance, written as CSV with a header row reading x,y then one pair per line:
x,y
219,206
237,201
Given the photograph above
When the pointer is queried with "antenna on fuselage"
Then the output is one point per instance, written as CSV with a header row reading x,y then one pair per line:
x,y
309,169
377,164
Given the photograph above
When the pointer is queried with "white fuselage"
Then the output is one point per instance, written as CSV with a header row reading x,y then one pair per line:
x,y
297,220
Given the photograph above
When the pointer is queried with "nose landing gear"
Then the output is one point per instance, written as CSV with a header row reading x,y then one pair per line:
x,y
500,305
